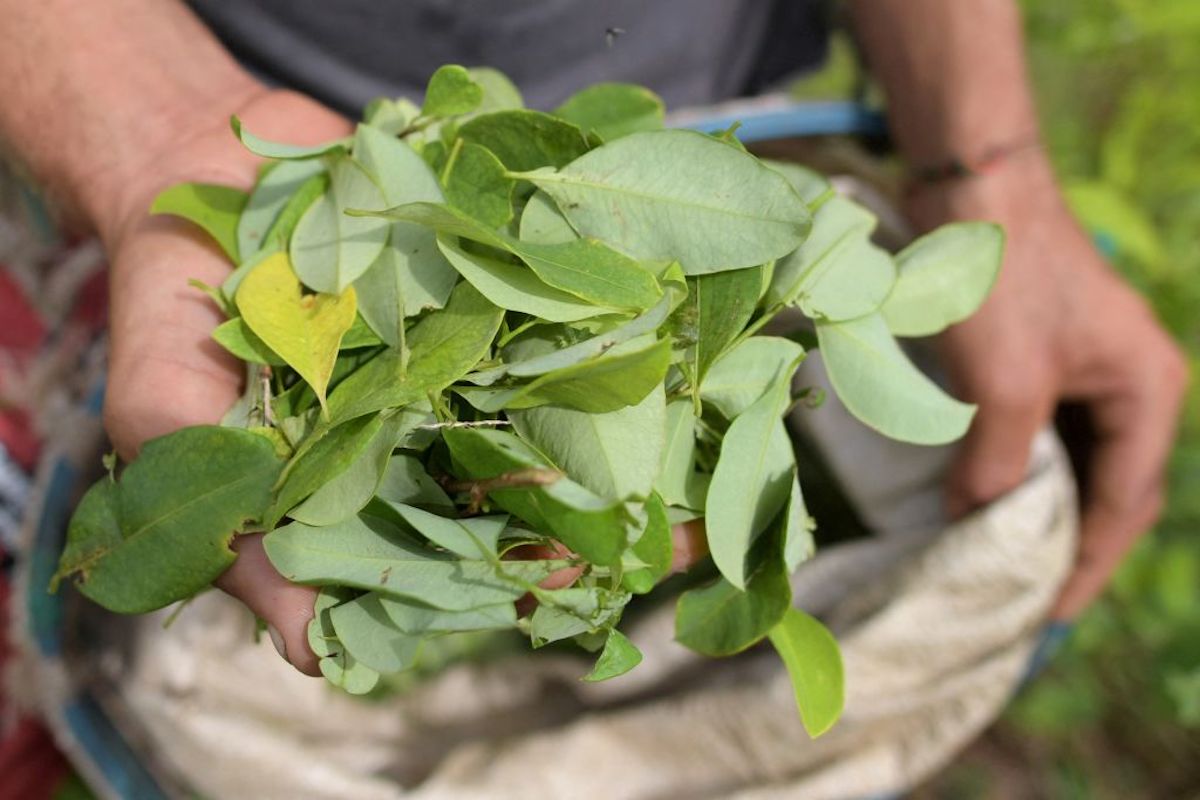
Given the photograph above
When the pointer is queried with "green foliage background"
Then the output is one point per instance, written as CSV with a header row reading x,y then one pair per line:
x,y
1117,714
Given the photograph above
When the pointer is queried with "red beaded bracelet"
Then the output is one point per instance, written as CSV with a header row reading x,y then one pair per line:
x,y
987,162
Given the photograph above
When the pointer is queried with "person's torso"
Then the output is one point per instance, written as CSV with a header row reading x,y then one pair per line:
x,y
689,51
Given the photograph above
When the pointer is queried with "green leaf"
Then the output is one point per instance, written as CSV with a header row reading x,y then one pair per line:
x,y
216,209
813,187
679,453
622,377
585,268
613,110
236,337
593,272
286,185
745,373
336,664
390,116
722,304
330,249
478,185
417,619
367,633
618,657
321,636
367,552
499,93
616,454
943,278
654,548
325,457
524,139
469,537
799,544
304,330
514,286
592,526
443,347
543,223
588,348
719,619
360,335
266,149
280,233
879,385
451,91
814,663
751,482
837,274
563,613
411,275
679,195
162,533
406,481
346,493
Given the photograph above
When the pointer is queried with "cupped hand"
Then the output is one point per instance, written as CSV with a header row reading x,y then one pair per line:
x,y
1059,326
165,371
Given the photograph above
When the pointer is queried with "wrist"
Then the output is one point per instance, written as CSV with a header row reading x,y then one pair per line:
x,y
1019,184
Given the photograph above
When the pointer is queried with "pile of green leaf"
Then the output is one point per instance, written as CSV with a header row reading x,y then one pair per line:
x,y
472,327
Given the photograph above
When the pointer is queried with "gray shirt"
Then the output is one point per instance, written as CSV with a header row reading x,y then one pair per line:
x,y
691,52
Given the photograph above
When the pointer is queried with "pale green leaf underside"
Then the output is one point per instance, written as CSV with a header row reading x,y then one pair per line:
x,y
943,278
680,195
756,452
879,385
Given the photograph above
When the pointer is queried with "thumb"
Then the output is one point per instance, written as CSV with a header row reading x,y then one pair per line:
x,y
165,370
286,607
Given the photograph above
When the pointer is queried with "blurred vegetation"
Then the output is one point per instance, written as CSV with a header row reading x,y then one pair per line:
x,y
1117,714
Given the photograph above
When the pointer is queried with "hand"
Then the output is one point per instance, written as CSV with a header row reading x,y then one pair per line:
x,y
165,371
1060,325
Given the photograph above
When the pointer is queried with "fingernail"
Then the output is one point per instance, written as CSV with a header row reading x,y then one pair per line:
x,y
277,640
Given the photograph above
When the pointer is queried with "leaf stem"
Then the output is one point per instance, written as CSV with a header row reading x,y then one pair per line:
x,y
451,160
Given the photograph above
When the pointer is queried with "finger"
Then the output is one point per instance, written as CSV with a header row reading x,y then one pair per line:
x,y
689,545
993,457
1135,426
286,607
165,370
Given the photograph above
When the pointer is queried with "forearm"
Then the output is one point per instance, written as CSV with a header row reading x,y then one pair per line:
x,y
96,92
954,75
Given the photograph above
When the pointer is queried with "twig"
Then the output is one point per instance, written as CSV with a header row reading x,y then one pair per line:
x,y
528,478
483,423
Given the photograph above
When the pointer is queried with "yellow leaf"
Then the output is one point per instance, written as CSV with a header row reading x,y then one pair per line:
x,y
305,330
